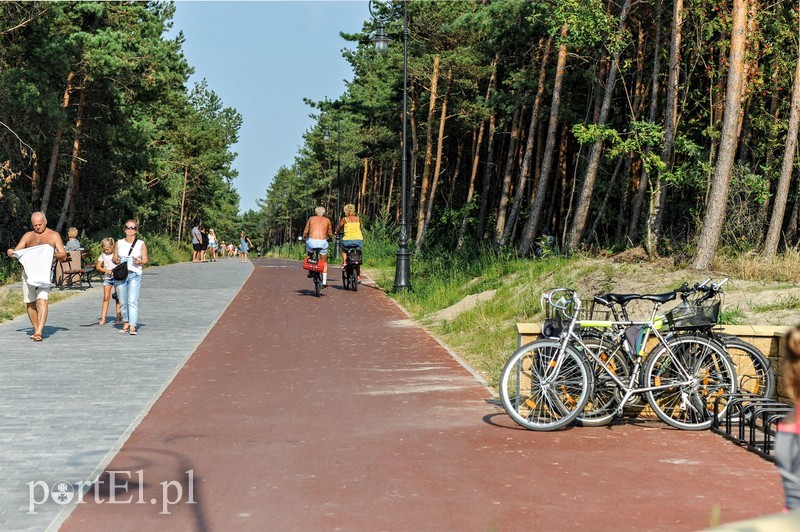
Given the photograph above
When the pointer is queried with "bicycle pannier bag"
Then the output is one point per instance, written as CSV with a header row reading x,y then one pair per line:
x,y
354,256
313,265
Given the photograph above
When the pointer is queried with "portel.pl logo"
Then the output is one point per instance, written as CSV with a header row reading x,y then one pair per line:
x,y
117,491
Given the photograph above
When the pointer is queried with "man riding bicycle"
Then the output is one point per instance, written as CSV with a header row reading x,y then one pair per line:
x,y
316,234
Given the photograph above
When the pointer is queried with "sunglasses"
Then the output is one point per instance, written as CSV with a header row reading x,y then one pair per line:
x,y
133,227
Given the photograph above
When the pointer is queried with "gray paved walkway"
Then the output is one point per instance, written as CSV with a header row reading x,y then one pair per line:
x,y
68,403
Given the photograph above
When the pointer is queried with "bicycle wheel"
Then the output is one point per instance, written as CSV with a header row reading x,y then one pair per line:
x,y
696,372
317,283
753,368
606,359
537,396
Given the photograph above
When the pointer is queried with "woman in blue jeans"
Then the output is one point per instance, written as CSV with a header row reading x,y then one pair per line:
x,y
134,251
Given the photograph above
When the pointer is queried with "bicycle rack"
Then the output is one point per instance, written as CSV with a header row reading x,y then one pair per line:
x,y
749,420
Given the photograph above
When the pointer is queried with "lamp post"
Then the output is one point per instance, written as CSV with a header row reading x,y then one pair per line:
x,y
402,277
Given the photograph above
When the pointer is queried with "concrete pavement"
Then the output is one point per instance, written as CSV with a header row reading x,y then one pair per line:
x,y
68,403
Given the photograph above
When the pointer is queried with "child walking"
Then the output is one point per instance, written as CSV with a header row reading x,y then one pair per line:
x,y
105,265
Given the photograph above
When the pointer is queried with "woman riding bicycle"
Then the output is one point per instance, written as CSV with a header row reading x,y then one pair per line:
x,y
352,238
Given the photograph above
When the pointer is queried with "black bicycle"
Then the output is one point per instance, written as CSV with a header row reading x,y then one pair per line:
x,y
351,267
315,264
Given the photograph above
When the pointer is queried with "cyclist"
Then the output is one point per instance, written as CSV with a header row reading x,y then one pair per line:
x,y
351,224
316,234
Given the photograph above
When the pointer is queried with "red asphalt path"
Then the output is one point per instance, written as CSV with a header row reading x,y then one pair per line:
x,y
339,413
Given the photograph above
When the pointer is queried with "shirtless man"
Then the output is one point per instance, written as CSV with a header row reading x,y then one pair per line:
x,y
35,298
316,234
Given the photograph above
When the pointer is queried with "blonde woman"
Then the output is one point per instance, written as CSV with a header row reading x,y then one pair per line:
x,y
352,237
134,251
787,439
212,246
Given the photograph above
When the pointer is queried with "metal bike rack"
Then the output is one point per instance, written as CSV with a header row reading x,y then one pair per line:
x,y
749,420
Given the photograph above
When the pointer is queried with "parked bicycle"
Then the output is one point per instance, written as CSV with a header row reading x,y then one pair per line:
x,y
549,383
698,314
351,267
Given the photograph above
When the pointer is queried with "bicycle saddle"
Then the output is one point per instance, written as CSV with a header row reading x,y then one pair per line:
x,y
620,299
659,298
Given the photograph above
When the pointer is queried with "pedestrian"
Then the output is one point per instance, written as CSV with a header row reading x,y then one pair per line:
x,y
350,226
212,246
197,241
203,244
134,251
73,244
244,243
787,439
316,234
105,264
35,251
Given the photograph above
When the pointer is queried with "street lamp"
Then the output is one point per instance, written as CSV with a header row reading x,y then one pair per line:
x,y
402,277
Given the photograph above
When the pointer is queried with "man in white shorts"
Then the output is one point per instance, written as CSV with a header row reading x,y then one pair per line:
x,y
318,230
36,274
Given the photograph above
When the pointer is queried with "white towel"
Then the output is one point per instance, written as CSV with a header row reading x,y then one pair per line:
x,y
37,262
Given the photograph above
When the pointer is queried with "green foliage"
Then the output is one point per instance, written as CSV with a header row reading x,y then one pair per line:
x,y
783,303
731,316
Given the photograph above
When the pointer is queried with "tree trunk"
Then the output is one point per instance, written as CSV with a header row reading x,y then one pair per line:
x,y
362,195
718,196
584,200
51,169
182,219
782,194
489,168
411,177
525,167
597,219
537,201
644,176
426,169
438,166
507,172
476,152
72,183
456,170
658,195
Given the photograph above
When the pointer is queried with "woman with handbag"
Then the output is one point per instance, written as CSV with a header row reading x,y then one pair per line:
x,y
133,253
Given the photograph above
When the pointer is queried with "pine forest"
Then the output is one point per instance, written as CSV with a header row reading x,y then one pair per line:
x,y
669,125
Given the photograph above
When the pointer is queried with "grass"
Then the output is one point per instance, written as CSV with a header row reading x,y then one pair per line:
x,y
783,303
485,334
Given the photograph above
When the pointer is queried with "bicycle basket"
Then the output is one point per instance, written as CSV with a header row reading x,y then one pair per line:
x,y
555,322
693,316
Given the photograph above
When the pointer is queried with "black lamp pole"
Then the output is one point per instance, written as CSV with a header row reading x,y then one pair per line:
x,y
402,276
338,179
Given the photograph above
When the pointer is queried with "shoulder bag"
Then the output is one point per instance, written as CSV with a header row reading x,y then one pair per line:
x,y
120,271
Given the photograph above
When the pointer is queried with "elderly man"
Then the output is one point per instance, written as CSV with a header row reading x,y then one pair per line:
x,y
316,233
35,251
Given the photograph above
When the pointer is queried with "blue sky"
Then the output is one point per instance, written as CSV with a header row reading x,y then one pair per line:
x,y
262,58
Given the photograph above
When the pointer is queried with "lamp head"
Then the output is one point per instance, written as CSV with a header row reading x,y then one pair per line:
x,y
381,40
